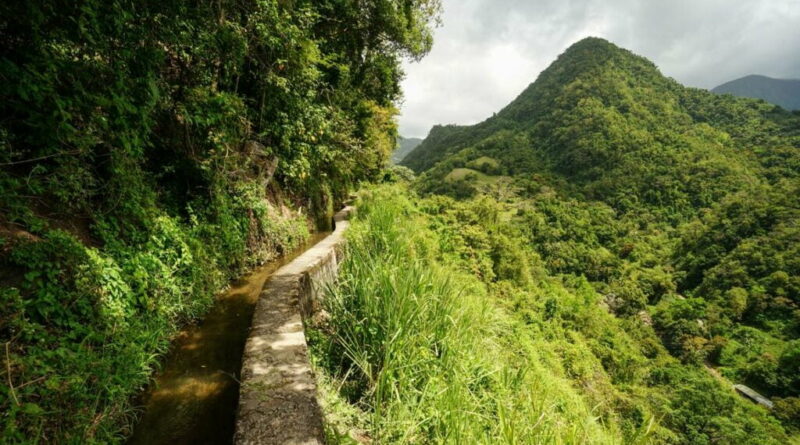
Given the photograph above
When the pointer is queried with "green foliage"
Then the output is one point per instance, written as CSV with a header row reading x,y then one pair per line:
x,y
448,327
86,326
675,206
397,173
420,348
149,152
704,413
788,410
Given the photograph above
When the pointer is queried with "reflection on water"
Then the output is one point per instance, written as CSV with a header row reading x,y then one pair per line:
x,y
193,400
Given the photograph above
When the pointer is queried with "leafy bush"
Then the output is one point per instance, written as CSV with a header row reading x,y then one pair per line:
x,y
149,152
87,326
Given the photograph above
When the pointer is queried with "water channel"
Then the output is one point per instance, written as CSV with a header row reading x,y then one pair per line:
x,y
193,399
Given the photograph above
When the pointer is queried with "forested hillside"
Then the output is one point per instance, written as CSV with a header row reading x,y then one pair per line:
x,y
599,262
783,92
679,209
152,150
451,324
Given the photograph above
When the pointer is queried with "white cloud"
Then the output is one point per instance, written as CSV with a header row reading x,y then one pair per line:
x,y
488,51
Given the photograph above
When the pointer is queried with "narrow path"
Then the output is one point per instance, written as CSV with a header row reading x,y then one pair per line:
x,y
278,396
193,399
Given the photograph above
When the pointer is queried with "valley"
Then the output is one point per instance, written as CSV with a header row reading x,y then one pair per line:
x,y
608,255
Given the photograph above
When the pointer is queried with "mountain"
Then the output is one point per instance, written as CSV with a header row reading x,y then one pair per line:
x,y
614,128
675,205
404,147
783,92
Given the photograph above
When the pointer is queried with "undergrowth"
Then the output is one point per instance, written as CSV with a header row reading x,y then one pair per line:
x,y
85,327
152,150
417,352
446,327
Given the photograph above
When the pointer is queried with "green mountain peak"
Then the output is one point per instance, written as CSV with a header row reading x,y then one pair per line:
x,y
677,206
609,124
592,67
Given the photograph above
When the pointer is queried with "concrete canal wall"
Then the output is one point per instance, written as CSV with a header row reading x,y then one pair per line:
x,y
278,395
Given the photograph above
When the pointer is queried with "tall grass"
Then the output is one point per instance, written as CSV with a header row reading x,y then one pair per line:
x,y
426,355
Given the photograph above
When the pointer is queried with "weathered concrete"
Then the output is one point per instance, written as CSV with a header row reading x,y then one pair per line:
x,y
277,399
754,396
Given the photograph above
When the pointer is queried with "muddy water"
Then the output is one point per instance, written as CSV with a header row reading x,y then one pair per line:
x,y
193,400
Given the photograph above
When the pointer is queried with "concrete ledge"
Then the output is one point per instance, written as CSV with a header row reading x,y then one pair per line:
x,y
278,394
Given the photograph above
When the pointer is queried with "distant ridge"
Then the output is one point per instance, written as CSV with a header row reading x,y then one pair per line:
x,y
404,147
783,92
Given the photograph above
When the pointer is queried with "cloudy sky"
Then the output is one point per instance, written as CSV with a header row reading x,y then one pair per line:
x,y
487,51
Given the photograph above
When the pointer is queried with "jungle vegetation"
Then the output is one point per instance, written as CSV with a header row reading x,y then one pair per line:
x,y
447,326
613,248
596,263
152,150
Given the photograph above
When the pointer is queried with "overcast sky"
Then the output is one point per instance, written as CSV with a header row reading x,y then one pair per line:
x,y
488,51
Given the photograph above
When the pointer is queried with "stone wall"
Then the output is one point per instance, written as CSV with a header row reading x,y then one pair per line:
x,y
278,394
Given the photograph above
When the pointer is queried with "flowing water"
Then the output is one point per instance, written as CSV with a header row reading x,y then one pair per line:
x,y
193,399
